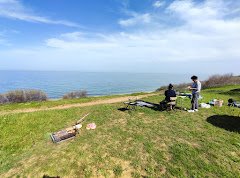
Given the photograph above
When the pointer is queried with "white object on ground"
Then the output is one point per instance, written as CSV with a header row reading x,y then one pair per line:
x,y
182,97
195,109
191,110
204,105
78,126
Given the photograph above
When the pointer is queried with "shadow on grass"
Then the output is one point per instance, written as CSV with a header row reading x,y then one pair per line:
x,y
158,107
46,176
146,104
233,92
124,109
229,123
150,105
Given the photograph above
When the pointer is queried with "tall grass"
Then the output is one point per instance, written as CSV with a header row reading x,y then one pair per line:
x,y
22,96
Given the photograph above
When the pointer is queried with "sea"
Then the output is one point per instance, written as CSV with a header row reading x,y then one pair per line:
x,y
57,83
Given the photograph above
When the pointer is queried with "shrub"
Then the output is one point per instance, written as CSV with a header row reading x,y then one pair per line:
x,y
3,99
212,81
176,87
75,94
16,96
35,95
220,80
22,96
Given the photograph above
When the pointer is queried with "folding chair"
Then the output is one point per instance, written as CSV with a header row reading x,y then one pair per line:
x,y
172,104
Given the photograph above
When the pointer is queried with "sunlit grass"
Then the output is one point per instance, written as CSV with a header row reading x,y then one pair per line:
x,y
144,142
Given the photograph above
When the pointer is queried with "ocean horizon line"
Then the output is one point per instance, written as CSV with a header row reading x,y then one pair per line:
x,y
80,71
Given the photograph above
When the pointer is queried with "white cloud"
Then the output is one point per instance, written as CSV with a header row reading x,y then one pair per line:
x,y
189,11
158,4
204,35
72,36
13,9
136,19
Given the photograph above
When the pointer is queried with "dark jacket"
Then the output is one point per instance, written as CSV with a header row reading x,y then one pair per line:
x,y
168,94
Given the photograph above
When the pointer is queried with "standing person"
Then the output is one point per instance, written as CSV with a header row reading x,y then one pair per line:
x,y
195,88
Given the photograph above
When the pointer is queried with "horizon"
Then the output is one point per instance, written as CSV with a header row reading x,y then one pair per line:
x,y
183,37
131,72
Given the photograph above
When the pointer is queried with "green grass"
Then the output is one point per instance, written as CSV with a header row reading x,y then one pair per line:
x,y
139,143
52,103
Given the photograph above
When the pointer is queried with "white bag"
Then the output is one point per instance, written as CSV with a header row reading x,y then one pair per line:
x,y
204,105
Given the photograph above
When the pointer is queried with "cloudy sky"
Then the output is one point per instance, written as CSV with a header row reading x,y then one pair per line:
x,y
165,36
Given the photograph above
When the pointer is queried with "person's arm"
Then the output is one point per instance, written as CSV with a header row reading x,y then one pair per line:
x,y
175,94
165,93
199,85
190,88
195,86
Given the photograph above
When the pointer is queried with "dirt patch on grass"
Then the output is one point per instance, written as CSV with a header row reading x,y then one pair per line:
x,y
116,168
126,167
193,144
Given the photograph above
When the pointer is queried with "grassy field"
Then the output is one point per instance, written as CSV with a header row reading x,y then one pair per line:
x,y
141,143
58,102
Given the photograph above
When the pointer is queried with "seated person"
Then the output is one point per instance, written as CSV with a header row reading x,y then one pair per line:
x,y
168,93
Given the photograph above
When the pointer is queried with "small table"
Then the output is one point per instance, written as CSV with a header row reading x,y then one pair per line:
x,y
181,98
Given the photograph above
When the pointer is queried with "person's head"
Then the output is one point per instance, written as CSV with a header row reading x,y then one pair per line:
x,y
194,78
170,86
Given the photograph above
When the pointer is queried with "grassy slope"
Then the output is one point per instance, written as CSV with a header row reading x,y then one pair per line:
x,y
52,103
144,142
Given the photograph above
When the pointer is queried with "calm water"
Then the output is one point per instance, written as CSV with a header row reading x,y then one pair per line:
x,y
56,84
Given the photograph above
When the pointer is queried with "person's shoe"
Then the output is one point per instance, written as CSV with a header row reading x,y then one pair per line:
x,y
196,110
191,110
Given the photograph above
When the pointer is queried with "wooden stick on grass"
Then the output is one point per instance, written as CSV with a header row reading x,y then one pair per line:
x,y
82,119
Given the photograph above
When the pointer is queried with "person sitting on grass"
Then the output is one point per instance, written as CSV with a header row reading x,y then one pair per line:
x,y
195,88
170,92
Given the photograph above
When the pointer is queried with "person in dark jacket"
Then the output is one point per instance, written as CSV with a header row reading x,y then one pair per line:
x,y
170,92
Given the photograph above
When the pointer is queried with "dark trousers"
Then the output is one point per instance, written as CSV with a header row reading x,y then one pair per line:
x,y
194,101
163,105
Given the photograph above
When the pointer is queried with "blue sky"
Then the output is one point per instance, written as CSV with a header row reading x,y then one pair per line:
x,y
168,36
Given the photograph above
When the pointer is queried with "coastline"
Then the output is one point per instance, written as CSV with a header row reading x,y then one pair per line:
x,y
98,96
57,84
